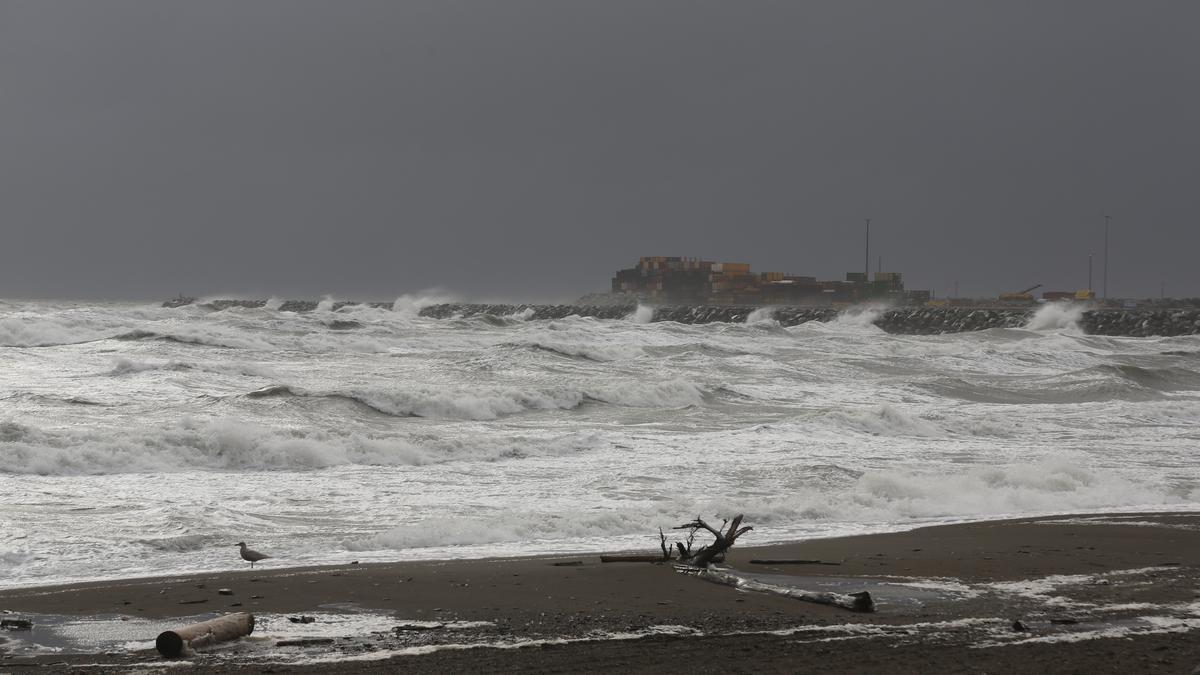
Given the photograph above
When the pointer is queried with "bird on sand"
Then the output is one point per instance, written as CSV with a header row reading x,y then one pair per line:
x,y
251,555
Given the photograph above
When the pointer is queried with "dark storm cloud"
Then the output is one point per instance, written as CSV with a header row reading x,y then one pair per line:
x,y
529,149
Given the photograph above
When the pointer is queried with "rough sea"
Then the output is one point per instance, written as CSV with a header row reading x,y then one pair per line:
x,y
137,440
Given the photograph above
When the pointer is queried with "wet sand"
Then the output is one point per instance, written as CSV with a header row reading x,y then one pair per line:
x,y
1128,600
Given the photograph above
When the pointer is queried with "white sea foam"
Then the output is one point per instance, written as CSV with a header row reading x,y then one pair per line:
x,y
411,305
762,315
1056,316
643,314
859,317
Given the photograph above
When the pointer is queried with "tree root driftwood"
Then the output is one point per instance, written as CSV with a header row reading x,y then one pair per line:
x,y
683,552
698,562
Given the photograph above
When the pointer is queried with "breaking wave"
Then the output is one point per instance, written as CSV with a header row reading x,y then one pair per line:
x,y
1058,485
599,353
222,444
490,404
885,420
208,337
47,332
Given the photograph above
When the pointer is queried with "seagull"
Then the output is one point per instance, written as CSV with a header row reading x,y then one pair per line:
x,y
251,555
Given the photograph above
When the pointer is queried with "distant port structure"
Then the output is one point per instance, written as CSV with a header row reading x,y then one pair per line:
x,y
679,280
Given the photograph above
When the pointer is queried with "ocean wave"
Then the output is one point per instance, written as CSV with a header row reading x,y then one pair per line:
x,y
492,403
15,558
183,543
203,336
224,444
51,399
833,500
884,420
1159,379
125,366
513,526
48,332
1080,387
599,353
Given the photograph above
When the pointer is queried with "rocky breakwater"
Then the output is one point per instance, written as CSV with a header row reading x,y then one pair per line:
x,y
1140,322
526,311
689,314
902,320
935,320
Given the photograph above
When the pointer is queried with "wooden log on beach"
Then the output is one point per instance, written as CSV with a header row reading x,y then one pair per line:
x,y
631,558
181,641
789,561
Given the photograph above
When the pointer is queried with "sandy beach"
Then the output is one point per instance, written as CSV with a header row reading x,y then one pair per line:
x,y
1103,593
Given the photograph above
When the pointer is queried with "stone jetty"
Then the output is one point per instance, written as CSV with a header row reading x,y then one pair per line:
x,y
900,320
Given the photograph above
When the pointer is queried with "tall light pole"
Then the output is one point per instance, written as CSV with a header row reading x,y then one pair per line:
x,y
867,255
1106,219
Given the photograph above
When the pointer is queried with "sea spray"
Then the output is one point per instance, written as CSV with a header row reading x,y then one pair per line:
x,y
411,305
1057,316
860,316
761,315
643,314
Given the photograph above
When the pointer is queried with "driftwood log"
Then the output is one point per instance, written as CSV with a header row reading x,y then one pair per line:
x,y
182,641
855,602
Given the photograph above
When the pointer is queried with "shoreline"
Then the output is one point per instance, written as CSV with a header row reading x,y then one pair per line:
x,y
1127,581
764,548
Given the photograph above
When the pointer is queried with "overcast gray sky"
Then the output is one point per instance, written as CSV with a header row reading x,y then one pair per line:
x,y
528,149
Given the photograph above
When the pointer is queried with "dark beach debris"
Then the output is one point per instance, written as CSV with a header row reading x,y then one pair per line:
x,y
1019,626
304,642
790,561
16,624
417,626
301,619
568,563
1065,621
197,601
631,558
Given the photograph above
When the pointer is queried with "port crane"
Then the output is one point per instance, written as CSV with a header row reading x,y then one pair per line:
x,y
1020,296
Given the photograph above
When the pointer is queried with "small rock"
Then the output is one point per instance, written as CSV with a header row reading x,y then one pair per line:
x,y
224,591
301,619
1019,626
16,624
